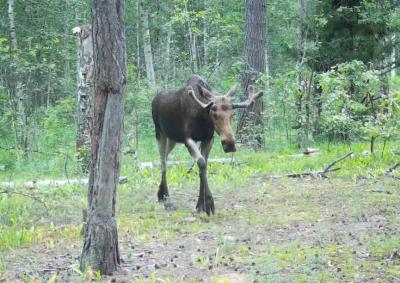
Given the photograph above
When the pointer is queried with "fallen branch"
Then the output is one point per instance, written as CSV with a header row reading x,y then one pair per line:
x,y
315,174
327,168
55,183
393,176
392,168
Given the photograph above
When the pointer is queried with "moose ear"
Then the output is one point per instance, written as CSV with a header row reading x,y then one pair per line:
x,y
232,91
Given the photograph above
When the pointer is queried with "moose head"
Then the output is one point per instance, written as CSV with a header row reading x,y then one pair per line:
x,y
220,108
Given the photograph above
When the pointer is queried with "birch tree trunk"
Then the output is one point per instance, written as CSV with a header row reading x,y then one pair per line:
x,y
192,44
100,251
19,97
167,57
84,95
205,36
250,126
393,56
148,55
65,41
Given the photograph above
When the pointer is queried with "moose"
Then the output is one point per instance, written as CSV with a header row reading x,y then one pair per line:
x,y
189,115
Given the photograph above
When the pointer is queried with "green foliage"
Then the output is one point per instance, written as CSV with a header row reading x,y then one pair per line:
x,y
352,104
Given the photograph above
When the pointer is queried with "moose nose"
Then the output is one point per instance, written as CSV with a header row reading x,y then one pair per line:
x,y
228,146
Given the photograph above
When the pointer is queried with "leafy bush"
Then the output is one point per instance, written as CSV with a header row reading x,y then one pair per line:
x,y
354,105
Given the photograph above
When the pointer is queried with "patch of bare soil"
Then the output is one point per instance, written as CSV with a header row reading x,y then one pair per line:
x,y
258,227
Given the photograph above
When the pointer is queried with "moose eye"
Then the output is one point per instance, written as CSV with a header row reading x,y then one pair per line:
x,y
214,108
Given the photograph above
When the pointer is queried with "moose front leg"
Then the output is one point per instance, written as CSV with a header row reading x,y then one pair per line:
x,y
165,146
205,201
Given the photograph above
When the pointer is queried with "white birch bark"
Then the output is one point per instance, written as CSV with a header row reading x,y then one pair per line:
x,y
19,97
85,93
148,55
393,55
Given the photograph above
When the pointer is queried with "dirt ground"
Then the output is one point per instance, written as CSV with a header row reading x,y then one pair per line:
x,y
285,230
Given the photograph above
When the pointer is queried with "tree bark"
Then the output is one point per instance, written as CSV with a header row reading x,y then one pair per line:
x,y
205,35
301,102
393,56
19,97
100,251
65,41
250,126
148,55
192,43
84,95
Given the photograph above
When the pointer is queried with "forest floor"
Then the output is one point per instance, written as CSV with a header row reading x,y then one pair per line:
x,y
303,230
342,229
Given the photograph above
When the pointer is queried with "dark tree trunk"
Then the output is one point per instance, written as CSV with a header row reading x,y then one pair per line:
x,y
250,126
100,251
301,99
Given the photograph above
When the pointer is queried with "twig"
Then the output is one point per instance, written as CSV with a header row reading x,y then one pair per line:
x,y
327,168
213,69
27,195
391,168
304,174
321,174
393,176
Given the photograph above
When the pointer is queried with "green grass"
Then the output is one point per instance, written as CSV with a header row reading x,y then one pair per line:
x,y
21,215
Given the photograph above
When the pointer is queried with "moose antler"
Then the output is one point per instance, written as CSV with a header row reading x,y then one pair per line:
x,y
193,95
250,100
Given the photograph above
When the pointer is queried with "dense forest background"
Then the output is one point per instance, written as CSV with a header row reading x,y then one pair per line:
x,y
331,72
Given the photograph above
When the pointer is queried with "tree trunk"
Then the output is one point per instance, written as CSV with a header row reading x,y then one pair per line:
x,y
250,126
393,56
65,42
19,97
100,251
148,55
192,44
167,54
301,80
205,36
84,95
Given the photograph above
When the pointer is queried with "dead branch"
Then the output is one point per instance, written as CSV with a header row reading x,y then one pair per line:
x,y
393,176
56,183
35,198
316,174
313,174
392,168
327,168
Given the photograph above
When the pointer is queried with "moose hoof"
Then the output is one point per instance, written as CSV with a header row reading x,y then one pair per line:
x,y
162,195
168,205
206,205
162,198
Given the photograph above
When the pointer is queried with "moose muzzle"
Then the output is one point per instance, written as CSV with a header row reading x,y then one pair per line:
x,y
228,145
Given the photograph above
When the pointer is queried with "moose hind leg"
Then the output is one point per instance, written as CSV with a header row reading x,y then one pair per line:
x,y
205,202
